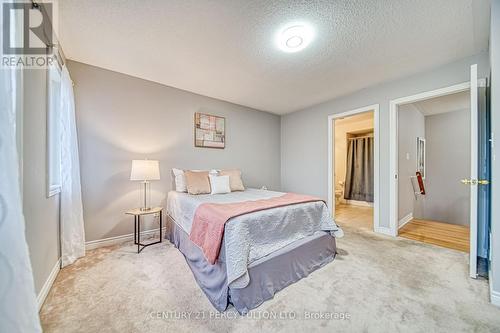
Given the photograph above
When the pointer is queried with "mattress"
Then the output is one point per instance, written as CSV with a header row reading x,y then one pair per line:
x,y
182,206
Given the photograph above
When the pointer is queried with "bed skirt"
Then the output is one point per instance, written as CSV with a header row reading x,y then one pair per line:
x,y
268,275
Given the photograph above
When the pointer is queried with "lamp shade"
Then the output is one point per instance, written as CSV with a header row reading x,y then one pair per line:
x,y
145,170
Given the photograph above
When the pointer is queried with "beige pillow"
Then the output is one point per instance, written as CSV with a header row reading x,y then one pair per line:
x,y
197,182
235,181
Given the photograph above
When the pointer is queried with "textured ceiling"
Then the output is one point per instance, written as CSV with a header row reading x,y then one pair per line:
x,y
443,104
225,49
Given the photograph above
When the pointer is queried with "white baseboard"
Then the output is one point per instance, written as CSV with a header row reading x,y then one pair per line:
x,y
385,231
405,220
90,245
495,297
42,295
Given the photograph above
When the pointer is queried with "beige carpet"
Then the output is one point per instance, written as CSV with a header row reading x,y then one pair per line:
x,y
376,284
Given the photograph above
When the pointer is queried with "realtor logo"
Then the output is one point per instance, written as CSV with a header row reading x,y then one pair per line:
x,y
27,34
36,25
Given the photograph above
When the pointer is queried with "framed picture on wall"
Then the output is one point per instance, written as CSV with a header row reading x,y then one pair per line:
x,y
421,156
209,131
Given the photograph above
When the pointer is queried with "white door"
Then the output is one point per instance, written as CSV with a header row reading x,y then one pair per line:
x,y
473,181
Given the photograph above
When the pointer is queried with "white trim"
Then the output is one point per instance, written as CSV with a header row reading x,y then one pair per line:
x,y
474,158
495,297
90,245
393,142
42,295
405,220
385,231
331,160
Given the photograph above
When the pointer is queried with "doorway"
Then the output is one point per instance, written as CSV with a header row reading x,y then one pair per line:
x,y
354,168
434,151
479,165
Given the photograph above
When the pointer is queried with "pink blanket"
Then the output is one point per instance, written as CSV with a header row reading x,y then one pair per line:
x,y
209,219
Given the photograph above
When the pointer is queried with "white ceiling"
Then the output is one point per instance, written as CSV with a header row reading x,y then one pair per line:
x,y
225,49
443,104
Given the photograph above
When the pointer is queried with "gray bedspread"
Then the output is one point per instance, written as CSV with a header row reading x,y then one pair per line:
x,y
250,237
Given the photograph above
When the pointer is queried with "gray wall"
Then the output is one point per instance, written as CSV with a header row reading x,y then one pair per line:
x,y
411,124
304,134
448,161
495,167
121,118
41,213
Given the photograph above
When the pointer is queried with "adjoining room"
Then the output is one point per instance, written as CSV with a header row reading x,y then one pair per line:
x,y
434,152
354,145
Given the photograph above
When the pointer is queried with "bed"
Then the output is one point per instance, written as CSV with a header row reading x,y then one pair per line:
x,y
261,252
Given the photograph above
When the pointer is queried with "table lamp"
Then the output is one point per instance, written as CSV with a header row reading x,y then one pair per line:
x,y
145,171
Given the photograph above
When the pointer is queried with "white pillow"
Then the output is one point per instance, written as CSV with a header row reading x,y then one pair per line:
x,y
180,178
219,184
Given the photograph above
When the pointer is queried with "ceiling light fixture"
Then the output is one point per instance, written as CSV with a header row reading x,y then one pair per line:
x,y
294,37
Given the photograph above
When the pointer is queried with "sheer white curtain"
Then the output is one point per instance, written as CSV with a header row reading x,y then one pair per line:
x,y
72,229
18,306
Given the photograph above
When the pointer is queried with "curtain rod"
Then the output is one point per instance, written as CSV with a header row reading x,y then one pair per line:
x,y
60,56
361,137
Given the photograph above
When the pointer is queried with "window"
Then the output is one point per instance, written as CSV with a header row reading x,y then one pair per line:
x,y
16,28
18,92
53,130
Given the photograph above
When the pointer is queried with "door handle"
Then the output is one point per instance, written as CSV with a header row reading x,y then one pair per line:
x,y
474,182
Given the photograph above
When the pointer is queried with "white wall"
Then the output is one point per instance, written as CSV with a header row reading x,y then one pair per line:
x,y
448,161
304,134
121,118
411,124
342,127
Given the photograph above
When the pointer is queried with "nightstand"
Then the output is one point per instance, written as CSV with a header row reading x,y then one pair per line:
x,y
137,212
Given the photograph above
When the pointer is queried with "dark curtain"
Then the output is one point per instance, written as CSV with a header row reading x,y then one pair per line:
x,y
359,172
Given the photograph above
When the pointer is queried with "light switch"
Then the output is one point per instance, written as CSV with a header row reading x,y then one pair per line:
x,y
408,156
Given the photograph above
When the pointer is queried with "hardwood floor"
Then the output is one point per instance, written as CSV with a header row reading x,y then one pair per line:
x,y
447,235
355,216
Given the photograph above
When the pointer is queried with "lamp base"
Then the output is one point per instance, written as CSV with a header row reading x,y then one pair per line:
x,y
147,192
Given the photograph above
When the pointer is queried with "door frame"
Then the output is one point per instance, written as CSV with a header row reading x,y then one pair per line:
x,y
375,108
393,140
